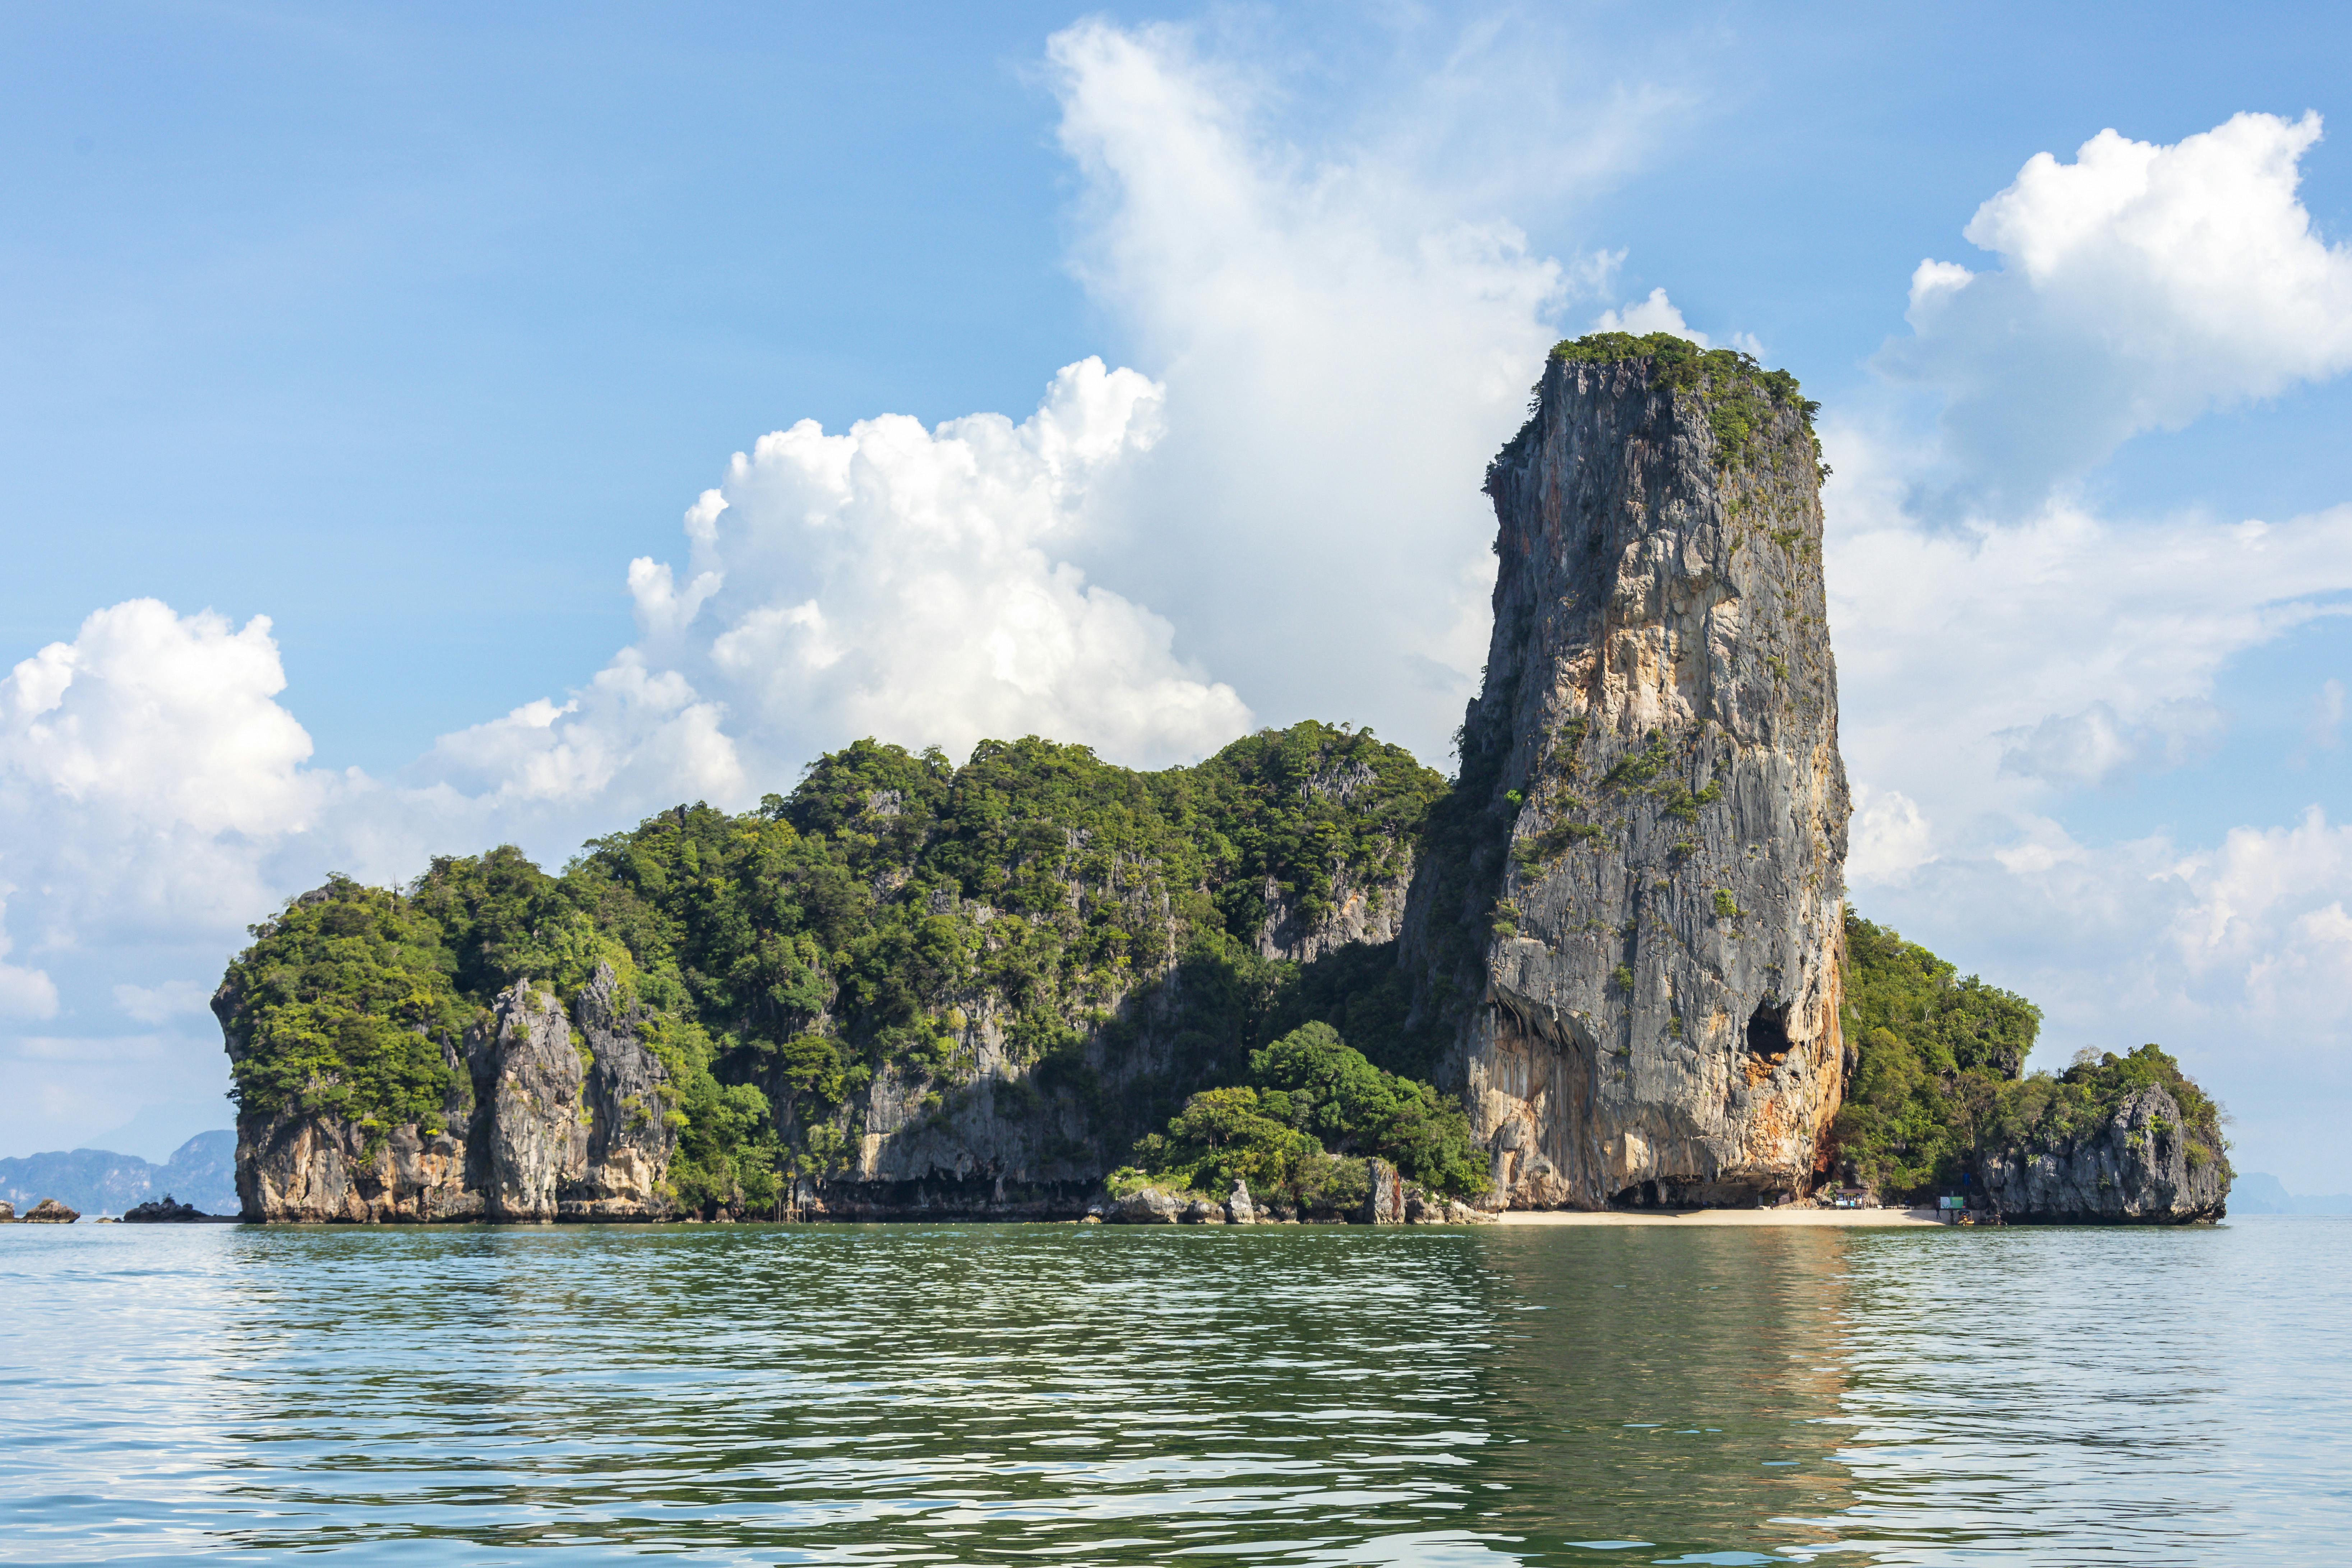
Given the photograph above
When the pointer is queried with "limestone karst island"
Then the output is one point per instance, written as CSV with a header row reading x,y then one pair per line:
x,y
1610,964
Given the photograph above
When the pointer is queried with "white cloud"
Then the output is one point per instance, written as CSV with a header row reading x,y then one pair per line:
x,y
1987,672
165,719
901,582
164,1001
23,992
2139,286
1888,837
2099,746
1343,348
630,734
1655,314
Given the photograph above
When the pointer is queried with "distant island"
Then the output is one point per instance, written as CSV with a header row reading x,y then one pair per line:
x,y
202,1171
1608,964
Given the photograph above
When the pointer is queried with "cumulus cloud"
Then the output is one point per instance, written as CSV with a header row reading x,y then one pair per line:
x,y
144,767
1343,350
892,580
1655,314
2138,286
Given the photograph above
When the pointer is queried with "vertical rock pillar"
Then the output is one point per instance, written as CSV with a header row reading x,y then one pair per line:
x,y
1629,915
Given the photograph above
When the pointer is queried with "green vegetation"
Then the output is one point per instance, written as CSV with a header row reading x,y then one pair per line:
x,y
1938,1075
784,958
2042,1109
347,1008
1737,393
1311,1101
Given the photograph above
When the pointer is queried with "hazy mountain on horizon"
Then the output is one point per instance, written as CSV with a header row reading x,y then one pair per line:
x,y
202,1171
2259,1194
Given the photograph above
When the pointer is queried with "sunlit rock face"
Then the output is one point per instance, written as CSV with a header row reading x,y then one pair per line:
x,y
1631,915
553,1113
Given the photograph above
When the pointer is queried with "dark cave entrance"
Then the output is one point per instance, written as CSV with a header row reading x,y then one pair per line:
x,y
1768,1030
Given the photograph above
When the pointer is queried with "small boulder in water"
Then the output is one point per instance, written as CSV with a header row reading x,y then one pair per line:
x,y
164,1211
1239,1210
48,1211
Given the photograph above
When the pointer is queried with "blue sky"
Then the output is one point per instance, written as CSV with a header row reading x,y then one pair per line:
x,y
411,329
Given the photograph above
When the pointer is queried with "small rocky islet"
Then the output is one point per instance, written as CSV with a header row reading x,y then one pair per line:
x,y
1609,964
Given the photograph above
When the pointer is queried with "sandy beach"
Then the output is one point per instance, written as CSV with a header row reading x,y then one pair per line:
x,y
1790,1216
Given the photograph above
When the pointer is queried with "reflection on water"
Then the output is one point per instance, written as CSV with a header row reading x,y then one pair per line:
x,y
835,1394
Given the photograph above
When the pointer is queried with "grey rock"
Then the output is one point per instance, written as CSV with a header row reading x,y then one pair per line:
x,y
48,1211
544,1121
1386,1204
623,1164
1146,1205
1239,1209
166,1210
532,1076
2132,1170
7,1213
1201,1211
1650,930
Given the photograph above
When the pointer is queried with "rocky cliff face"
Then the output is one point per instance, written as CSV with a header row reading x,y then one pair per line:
x,y
2133,1169
556,1114
1631,919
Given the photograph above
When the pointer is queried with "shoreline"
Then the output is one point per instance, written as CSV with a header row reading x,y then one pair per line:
x,y
1790,1215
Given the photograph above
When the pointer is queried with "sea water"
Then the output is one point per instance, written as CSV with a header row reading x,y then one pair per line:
x,y
1056,1393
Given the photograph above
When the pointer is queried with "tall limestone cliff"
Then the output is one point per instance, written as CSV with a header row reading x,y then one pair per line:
x,y
1628,916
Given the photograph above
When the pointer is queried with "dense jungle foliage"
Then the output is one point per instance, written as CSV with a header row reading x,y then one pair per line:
x,y
1939,1074
1309,1100
869,922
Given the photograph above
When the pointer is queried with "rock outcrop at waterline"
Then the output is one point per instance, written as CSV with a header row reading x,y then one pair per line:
x,y
2134,1168
1631,918
553,1113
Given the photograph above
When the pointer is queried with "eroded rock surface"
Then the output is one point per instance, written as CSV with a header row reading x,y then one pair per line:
x,y
48,1211
1636,904
553,1113
2134,1169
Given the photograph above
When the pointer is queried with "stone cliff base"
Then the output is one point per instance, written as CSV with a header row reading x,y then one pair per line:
x,y
1793,1216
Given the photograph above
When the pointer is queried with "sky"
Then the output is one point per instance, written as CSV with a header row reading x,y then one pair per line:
x,y
430,427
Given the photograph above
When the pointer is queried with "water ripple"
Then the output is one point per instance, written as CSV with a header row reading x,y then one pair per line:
x,y
1320,1395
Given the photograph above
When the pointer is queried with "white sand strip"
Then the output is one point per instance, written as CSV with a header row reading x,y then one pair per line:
x,y
1791,1215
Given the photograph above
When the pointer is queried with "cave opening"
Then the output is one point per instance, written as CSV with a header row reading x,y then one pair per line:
x,y
1768,1030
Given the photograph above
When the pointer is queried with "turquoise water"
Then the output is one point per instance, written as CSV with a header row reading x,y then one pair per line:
x,y
1103,1395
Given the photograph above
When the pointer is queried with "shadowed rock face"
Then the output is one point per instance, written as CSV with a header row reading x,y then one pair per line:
x,y
1635,909
556,1114
2132,1169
